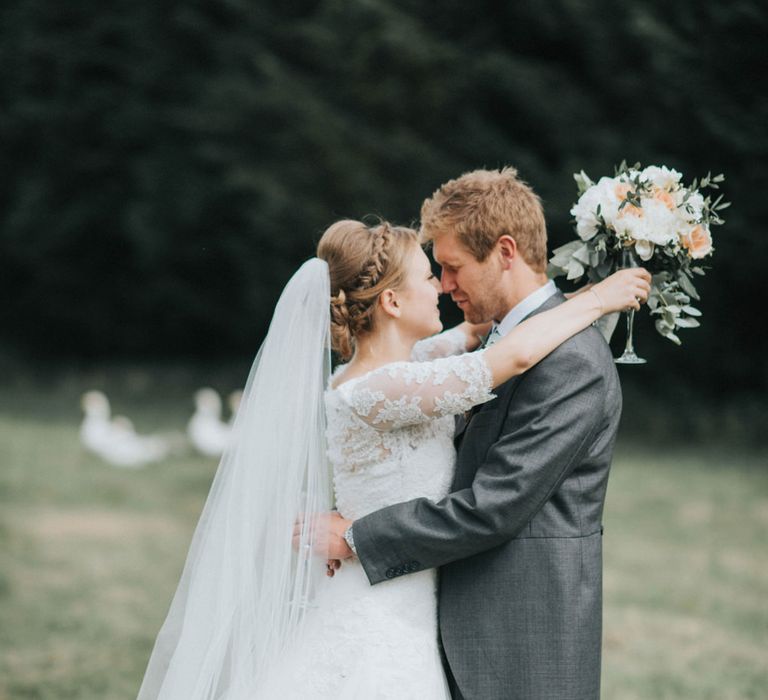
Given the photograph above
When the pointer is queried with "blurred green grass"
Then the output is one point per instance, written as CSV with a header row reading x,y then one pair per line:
x,y
90,555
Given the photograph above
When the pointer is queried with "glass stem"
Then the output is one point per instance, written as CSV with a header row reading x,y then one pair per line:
x,y
630,324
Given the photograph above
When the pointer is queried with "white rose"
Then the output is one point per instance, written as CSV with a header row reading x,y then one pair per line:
x,y
644,249
660,224
694,207
600,195
662,177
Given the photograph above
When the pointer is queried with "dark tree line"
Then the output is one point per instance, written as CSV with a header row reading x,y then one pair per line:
x,y
168,164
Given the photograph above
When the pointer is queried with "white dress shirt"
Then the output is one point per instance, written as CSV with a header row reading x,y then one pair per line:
x,y
518,312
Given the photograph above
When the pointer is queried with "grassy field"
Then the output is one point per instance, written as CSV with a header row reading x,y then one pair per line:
x,y
90,555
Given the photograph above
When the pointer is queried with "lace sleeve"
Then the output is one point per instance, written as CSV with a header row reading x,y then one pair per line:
x,y
445,344
408,393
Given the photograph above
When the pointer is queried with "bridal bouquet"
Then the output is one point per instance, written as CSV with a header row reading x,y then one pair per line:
x,y
649,212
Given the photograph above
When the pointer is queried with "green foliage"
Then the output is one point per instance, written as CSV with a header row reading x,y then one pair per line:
x,y
167,165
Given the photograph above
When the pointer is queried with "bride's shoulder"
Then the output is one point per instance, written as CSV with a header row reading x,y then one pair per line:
x,y
347,375
338,377
344,375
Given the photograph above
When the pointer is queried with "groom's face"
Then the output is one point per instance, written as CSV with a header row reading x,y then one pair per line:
x,y
473,285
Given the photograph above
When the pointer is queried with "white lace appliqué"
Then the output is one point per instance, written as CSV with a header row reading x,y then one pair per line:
x,y
390,432
408,393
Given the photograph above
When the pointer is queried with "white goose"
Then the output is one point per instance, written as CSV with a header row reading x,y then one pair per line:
x,y
131,450
95,430
115,440
208,434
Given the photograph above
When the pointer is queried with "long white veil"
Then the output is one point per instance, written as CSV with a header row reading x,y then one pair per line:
x,y
243,591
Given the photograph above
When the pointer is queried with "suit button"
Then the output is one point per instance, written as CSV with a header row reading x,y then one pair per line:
x,y
389,573
414,566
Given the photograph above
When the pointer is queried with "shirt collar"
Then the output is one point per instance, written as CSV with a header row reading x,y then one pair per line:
x,y
527,306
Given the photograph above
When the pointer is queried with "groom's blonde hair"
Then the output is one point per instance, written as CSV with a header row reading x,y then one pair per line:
x,y
481,206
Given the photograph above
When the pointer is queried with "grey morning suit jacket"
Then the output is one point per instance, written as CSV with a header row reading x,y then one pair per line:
x,y
519,538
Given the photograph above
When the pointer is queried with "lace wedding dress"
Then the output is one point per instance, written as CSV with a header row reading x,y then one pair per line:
x,y
390,439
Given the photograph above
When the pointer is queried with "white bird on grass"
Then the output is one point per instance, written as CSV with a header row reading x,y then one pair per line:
x,y
95,430
129,449
115,440
208,434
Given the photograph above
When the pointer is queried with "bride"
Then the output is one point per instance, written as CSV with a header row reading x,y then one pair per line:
x,y
253,619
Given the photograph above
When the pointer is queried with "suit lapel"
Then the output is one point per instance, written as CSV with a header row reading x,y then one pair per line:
x,y
463,420
461,425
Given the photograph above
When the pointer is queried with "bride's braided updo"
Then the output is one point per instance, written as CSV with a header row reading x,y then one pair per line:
x,y
363,261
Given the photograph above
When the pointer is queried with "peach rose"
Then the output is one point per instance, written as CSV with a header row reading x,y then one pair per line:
x,y
664,197
698,242
628,209
621,190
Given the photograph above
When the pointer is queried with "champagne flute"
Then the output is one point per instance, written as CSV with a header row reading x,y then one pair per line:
x,y
629,357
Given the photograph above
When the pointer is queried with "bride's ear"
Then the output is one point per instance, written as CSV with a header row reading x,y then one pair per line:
x,y
389,303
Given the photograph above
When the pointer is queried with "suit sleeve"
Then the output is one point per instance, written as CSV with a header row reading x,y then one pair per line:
x,y
554,418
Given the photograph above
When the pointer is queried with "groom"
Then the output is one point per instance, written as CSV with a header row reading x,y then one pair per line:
x,y
519,539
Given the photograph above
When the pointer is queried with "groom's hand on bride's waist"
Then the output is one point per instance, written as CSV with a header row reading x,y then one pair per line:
x,y
324,534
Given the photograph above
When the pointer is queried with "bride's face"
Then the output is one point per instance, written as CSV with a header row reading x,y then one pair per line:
x,y
419,315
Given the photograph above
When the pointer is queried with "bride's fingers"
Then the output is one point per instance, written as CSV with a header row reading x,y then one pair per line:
x,y
298,522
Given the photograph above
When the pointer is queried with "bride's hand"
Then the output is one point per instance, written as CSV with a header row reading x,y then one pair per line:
x,y
625,289
326,532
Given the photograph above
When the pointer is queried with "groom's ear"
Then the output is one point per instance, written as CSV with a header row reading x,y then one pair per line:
x,y
506,248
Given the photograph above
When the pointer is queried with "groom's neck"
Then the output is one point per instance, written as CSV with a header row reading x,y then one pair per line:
x,y
522,285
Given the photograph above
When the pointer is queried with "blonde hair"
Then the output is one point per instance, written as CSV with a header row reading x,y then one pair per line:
x,y
362,261
481,206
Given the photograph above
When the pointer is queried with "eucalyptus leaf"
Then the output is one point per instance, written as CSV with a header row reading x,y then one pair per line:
x,y
691,311
604,269
554,271
582,254
562,256
583,183
687,323
687,285
565,251
575,269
